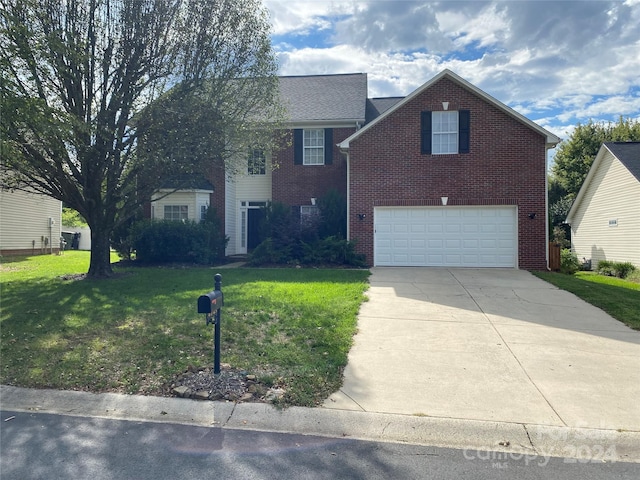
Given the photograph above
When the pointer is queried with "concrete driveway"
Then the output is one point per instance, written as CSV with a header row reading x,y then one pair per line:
x,y
490,344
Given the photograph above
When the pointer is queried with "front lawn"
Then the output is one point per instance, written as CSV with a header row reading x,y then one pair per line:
x,y
136,332
619,298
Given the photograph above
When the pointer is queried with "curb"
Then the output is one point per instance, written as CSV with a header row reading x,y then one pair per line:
x,y
472,436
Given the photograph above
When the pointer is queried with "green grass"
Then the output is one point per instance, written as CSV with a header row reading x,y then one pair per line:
x,y
619,298
136,332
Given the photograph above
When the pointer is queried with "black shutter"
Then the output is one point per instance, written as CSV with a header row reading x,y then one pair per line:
x,y
425,132
298,146
328,146
464,130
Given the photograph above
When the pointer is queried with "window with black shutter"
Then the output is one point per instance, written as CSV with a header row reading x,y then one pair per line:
x,y
446,132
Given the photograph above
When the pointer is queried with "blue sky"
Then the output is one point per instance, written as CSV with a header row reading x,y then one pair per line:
x,y
556,62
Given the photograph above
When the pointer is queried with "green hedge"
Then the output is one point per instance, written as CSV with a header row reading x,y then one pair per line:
x,y
166,241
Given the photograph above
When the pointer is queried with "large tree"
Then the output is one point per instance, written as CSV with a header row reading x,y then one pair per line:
x,y
106,101
575,155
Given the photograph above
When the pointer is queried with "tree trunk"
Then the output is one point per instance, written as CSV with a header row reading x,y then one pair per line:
x,y
100,264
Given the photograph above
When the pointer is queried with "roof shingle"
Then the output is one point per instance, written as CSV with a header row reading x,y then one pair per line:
x,y
629,155
325,97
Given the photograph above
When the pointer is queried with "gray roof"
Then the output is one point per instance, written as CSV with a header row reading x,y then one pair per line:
x,y
325,97
189,182
629,155
377,106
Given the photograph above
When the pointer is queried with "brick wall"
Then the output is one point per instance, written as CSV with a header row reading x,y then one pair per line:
x,y
505,166
297,184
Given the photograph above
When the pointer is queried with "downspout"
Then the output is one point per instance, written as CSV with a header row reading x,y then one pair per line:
x,y
348,198
546,205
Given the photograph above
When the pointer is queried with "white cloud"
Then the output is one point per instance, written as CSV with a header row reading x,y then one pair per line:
x,y
559,62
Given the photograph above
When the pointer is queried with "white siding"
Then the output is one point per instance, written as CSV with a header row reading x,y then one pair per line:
x,y
231,212
613,194
244,188
24,222
193,199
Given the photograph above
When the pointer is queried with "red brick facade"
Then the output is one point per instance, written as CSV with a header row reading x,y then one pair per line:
x,y
505,166
297,184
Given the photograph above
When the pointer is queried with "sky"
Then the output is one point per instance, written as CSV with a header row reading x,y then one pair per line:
x,y
559,63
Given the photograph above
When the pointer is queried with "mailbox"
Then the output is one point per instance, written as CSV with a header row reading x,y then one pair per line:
x,y
210,302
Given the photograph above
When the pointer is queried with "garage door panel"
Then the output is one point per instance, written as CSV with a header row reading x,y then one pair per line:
x,y
445,236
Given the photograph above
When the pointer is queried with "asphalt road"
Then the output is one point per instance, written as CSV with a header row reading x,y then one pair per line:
x,y
48,446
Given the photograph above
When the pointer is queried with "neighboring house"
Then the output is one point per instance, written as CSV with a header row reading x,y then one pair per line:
x,y
605,216
29,223
447,176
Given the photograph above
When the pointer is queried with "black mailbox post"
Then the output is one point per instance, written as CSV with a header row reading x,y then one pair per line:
x,y
210,304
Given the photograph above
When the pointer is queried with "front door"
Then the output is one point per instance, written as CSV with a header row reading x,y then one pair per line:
x,y
254,218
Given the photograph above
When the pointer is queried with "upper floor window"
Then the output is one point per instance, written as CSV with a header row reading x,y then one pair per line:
x,y
445,132
176,212
313,146
313,152
257,162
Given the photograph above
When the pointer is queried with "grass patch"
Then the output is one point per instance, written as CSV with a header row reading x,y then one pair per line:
x,y
619,298
135,332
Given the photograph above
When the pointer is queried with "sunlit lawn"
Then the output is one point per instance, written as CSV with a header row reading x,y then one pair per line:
x,y
619,298
135,332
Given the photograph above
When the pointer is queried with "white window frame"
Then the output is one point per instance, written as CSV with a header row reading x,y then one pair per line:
x,y
309,213
257,162
176,212
203,211
313,146
445,135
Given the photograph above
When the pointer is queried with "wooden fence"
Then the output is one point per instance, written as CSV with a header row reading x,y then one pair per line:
x,y
554,257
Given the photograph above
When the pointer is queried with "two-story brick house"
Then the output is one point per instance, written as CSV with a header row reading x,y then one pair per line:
x,y
447,176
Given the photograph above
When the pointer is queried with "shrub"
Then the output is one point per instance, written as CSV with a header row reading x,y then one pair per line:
x,y
624,269
333,215
167,241
332,251
122,238
569,263
605,267
615,269
267,254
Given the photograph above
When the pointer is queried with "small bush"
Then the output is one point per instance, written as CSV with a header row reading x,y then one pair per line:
x,y
569,262
332,251
325,252
615,269
624,269
605,267
267,254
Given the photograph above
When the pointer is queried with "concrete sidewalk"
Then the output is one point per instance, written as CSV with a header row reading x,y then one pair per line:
x,y
490,345
491,360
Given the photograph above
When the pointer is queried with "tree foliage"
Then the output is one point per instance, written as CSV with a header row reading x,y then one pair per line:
x,y
573,161
106,101
576,154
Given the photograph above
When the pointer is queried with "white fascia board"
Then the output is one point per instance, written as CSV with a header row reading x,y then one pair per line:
x,y
551,139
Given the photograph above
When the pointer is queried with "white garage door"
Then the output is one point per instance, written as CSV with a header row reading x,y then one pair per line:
x,y
445,236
